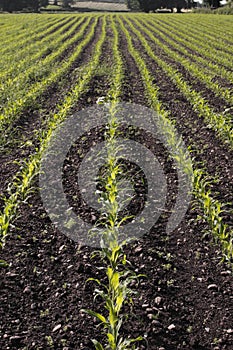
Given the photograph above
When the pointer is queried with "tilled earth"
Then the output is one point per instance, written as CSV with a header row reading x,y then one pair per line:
x,y
185,300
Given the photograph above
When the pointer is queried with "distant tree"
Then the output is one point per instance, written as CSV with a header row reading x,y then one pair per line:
x,y
18,5
212,3
67,3
152,5
44,3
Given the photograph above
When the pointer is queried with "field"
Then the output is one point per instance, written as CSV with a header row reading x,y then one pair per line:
x,y
179,66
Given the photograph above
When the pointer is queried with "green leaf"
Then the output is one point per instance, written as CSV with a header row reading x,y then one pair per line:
x,y
111,339
98,346
95,314
115,280
3,263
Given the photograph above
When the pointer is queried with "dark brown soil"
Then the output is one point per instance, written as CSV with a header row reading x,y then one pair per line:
x,y
185,301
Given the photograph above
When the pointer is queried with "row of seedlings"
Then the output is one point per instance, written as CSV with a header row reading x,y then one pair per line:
x,y
22,183
211,207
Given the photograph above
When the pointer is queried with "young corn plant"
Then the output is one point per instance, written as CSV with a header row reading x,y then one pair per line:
x,y
213,211
116,292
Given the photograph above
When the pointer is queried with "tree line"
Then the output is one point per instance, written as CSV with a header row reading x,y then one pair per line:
x,y
33,5
144,5
152,5
18,5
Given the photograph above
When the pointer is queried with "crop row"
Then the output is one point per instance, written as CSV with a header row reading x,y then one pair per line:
x,y
26,37
116,292
197,71
218,44
206,26
33,51
21,184
218,122
194,52
27,98
211,207
201,47
31,70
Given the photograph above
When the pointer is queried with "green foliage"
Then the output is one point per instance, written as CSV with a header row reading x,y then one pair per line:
x,y
18,5
218,122
152,5
211,207
20,188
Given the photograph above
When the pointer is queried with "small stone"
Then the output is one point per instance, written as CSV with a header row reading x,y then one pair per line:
x,y
207,329
10,274
171,327
16,340
212,286
138,249
229,331
27,289
93,218
149,309
56,328
145,305
150,316
158,300
225,273
61,247
161,348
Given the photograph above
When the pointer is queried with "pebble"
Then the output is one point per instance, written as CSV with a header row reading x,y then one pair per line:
x,y
207,329
27,289
15,339
150,316
138,249
158,300
56,328
145,305
10,274
212,286
172,326
229,331
225,273
149,309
